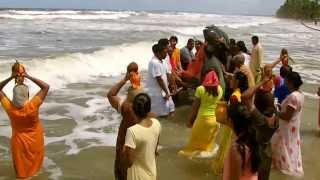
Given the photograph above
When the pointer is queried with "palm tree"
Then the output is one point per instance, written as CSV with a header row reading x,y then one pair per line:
x,y
304,9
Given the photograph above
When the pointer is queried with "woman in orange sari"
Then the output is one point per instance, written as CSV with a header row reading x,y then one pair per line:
x,y
27,141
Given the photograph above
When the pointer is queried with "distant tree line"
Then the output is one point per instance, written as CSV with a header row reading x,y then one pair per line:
x,y
300,9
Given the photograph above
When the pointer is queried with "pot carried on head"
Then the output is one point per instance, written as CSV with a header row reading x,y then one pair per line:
x,y
214,35
18,70
215,49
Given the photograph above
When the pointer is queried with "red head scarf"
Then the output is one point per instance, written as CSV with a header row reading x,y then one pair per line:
x,y
211,80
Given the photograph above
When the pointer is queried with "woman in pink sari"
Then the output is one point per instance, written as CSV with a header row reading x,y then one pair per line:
x,y
286,142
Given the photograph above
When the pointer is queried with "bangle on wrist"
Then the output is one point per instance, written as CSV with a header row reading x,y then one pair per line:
x,y
277,113
252,108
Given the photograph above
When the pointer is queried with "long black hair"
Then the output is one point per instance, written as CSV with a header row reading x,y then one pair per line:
x,y
243,81
285,70
242,125
142,105
295,79
242,47
264,102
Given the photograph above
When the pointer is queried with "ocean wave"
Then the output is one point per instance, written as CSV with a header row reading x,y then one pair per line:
x,y
303,36
65,16
180,15
81,67
51,167
24,12
79,15
53,12
248,24
113,12
197,30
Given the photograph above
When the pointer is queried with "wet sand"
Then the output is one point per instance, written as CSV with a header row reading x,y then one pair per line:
x,y
97,162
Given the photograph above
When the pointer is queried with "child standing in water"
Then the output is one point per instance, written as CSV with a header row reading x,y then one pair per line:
x,y
284,57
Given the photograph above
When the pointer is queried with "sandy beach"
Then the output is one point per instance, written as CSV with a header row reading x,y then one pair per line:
x,y
97,162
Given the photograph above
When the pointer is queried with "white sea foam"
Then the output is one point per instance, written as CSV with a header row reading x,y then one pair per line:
x,y
96,107
75,15
233,22
51,167
81,131
22,12
80,67
5,129
195,31
243,24
179,15
114,12
65,16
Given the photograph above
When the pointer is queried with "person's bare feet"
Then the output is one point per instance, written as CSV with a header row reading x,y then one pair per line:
x,y
28,178
171,114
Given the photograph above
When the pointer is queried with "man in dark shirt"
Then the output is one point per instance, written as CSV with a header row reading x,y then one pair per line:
x,y
186,54
265,124
281,91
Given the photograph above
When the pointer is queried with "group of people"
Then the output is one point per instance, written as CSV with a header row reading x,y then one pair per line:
x,y
234,96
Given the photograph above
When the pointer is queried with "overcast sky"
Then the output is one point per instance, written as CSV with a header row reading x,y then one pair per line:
x,y
264,7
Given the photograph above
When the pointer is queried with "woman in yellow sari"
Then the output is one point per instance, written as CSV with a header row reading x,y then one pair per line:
x,y
239,84
203,119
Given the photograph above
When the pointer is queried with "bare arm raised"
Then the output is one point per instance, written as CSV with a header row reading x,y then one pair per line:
x,y
44,87
113,92
3,84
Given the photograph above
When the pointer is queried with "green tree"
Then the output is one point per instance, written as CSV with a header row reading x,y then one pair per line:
x,y
300,9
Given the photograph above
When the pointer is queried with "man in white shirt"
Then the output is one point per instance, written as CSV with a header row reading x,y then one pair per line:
x,y
256,59
173,77
157,83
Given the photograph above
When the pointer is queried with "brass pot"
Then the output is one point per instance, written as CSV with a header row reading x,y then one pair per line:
x,y
18,70
221,112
